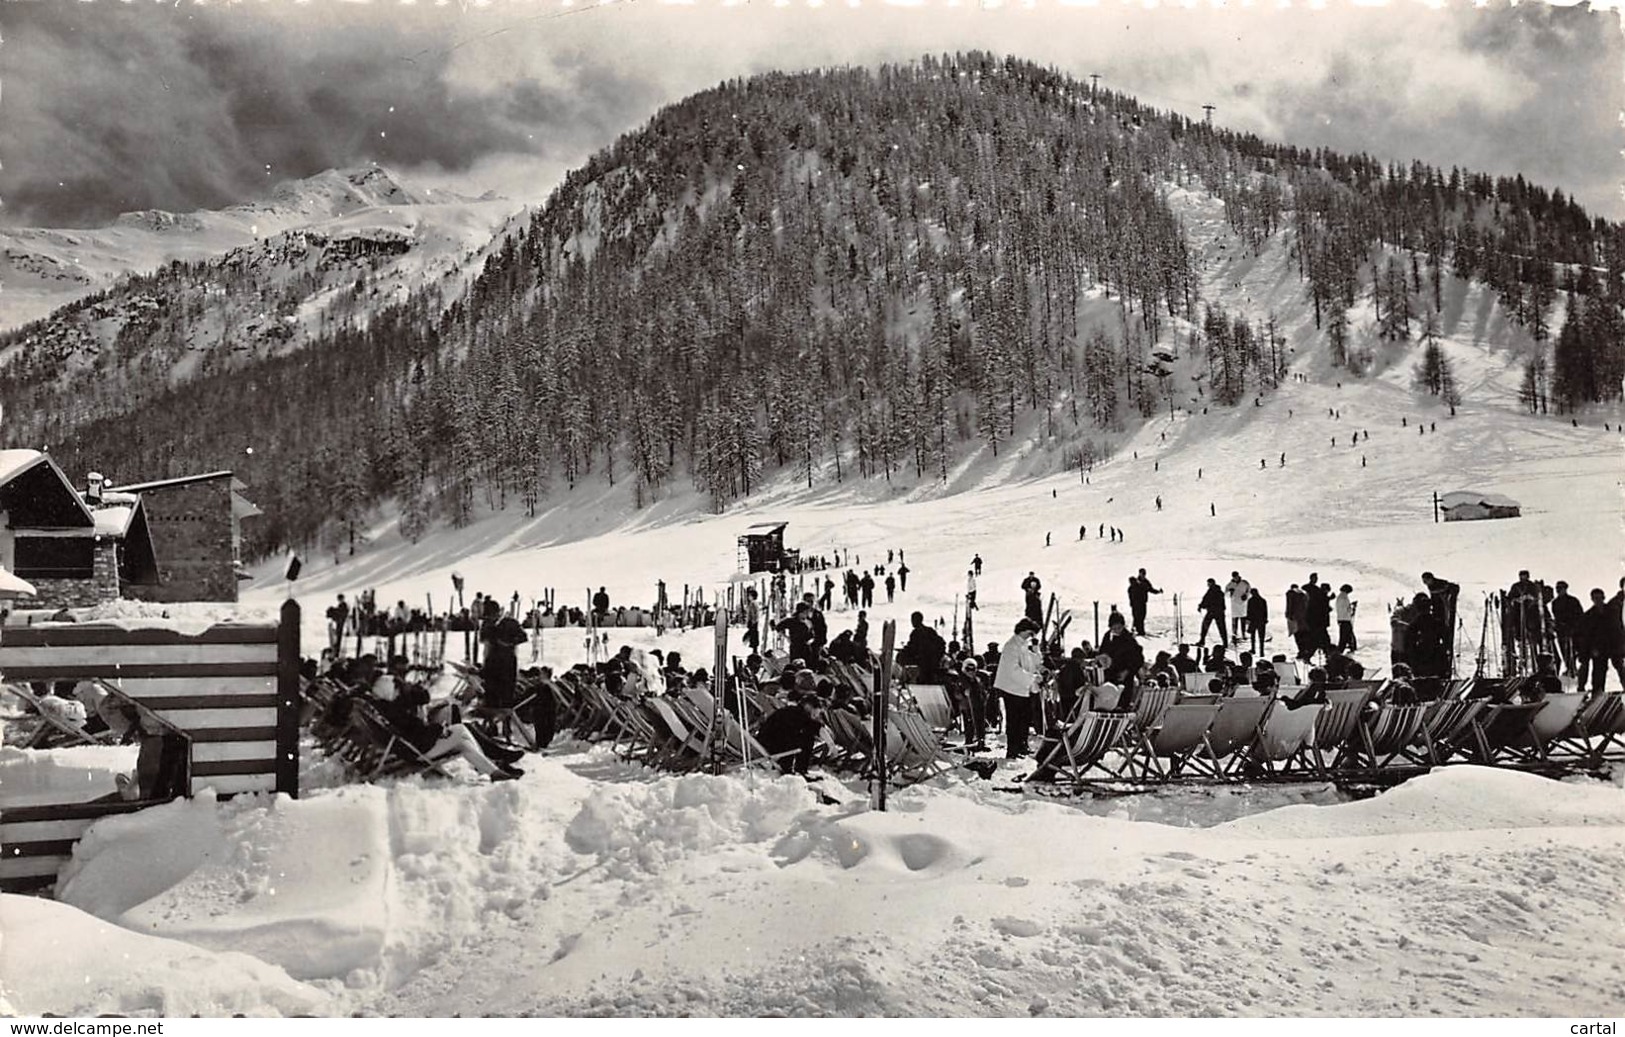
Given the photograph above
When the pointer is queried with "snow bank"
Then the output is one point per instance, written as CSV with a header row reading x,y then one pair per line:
x,y
57,959
597,887
300,885
1450,799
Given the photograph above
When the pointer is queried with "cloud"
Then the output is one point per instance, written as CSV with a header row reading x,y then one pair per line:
x,y
112,106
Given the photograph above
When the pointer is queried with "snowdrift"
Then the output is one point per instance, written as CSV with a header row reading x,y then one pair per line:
x,y
595,887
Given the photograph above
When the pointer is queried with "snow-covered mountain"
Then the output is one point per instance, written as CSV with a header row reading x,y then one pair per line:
x,y
307,238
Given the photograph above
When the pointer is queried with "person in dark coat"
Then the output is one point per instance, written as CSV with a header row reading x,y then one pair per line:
x,y
815,620
600,606
1602,639
797,628
1313,693
1566,613
866,591
1124,652
339,616
1442,595
1182,661
1069,682
1031,588
792,730
1317,617
1212,609
924,651
1424,640
1139,596
1258,620
499,666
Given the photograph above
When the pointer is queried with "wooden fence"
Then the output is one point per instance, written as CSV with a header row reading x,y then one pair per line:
x,y
232,691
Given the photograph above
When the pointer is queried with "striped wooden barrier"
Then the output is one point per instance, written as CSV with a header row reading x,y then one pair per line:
x,y
232,690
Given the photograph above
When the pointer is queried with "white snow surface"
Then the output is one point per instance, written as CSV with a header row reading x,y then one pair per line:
x,y
594,887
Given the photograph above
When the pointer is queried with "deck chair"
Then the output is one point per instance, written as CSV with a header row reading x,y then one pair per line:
x,y
853,740
317,698
371,747
1598,724
1175,737
1336,732
732,746
1082,747
53,723
1233,731
920,755
1150,703
1503,732
1385,735
683,745
1283,736
1444,723
932,702
514,722
1547,724
598,718
1607,725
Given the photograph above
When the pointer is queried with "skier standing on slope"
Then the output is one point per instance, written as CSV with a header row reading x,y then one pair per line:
x,y
1345,607
1139,596
1212,609
1236,603
1258,621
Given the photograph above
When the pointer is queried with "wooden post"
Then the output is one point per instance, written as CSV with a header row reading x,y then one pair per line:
x,y
287,700
1435,506
1097,624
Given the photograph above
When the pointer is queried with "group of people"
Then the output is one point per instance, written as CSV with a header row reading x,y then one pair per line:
x,y
1584,639
401,696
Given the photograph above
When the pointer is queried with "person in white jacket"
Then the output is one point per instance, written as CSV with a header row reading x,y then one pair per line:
x,y
1345,606
1236,591
1017,682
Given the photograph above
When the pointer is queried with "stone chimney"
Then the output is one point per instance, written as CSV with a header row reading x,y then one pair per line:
x,y
93,491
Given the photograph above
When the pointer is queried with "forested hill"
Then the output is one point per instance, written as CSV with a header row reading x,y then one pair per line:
x,y
856,274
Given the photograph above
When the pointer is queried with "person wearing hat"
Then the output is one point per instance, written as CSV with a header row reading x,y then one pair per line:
x,y
1124,652
499,668
1566,613
964,688
1016,682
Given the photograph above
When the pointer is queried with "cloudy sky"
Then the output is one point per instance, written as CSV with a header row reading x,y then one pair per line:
x,y
111,106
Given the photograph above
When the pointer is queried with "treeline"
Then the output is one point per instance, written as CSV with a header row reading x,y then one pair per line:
x,y
844,274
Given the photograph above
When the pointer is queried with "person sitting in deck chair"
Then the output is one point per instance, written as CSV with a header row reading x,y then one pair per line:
x,y
1341,668
1313,693
160,763
402,705
1545,680
793,730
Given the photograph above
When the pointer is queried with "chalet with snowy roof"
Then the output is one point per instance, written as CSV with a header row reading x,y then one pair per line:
x,y
196,523
76,549
1472,505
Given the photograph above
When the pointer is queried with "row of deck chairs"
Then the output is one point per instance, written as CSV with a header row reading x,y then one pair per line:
x,y
674,731
1164,740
